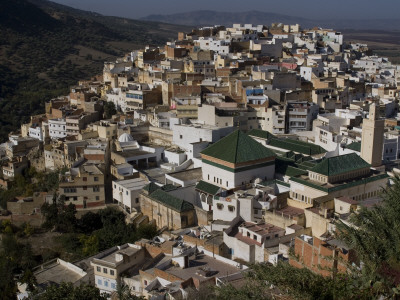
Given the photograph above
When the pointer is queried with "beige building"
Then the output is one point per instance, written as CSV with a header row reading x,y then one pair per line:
x,y
83,186
345,175
165,209
110,264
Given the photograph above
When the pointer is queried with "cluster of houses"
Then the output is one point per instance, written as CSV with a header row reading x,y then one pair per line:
x,y
240,144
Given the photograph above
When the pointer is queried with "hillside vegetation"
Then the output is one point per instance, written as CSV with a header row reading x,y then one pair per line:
x,y
46,47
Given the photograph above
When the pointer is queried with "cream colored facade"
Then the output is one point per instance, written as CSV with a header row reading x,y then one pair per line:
x,y
303,196
108,265
372,137
83,187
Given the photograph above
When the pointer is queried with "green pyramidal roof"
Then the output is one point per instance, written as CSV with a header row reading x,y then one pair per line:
x,y
340,164
238,147
171,201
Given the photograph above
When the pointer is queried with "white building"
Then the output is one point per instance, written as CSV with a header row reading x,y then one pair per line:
x,y
36,132
126,193
57,128
184,135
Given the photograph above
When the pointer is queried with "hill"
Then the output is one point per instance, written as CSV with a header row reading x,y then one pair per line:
x,y
46,47
209,18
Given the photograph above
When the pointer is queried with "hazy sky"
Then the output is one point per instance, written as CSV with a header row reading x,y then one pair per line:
x,y
312,9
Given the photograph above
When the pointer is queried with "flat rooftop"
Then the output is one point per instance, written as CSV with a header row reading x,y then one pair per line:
x,y
156,174
203,126
261,229
200,263
290,211
92,169
110,257
187,175
57,272
130,153
132,184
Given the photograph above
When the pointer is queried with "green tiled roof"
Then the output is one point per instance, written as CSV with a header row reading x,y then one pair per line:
x,y
171,201
291,171
274,181
282,165
340,164
261,134
169,187
238,147
207,187
297,146
340,186
355,146
151,187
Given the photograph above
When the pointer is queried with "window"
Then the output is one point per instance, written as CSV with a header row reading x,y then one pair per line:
x,y
97,198
231,208
98,269
127,193
106,283
111,272
113,285
85,188
137,200
276,235
96,189
254,237
99,282
84,178
96,179
105,270
180,136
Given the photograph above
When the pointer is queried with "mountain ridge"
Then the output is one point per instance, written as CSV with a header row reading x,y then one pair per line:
x,y
46,47
210,17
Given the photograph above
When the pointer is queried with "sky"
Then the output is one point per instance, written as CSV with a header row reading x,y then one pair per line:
x,y
310,9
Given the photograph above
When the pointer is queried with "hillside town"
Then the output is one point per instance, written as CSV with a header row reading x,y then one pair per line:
x,y
242,145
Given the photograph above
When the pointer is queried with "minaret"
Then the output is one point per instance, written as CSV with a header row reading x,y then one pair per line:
x,y
372,137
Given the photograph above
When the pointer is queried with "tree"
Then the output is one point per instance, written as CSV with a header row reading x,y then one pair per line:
x,y
375,236
67,219
109,109
123,292
90,244
58,216
90,222
67,291
15,259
